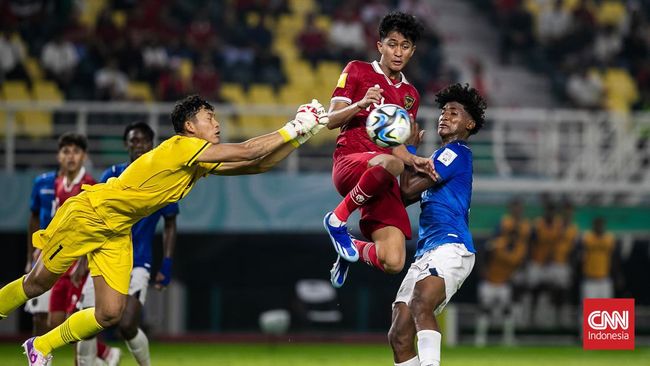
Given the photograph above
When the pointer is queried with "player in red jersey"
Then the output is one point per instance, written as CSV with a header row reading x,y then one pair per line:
x,y
67,289
364,173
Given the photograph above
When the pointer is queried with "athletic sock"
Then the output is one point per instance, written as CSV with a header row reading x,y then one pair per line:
x,y
372,182
368,253
102,350
80,325
429,347
87,350
415,361
139,347
12,296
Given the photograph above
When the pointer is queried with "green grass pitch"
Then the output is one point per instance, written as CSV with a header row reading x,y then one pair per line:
x,y
206,354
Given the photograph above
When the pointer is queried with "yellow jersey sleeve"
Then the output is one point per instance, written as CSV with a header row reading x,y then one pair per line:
x,y
188,149
209,168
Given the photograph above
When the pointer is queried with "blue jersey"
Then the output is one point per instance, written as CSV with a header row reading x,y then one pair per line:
x,y
143,231
445,206
42,201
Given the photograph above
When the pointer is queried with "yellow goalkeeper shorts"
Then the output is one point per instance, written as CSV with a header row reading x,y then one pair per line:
x,y
77,230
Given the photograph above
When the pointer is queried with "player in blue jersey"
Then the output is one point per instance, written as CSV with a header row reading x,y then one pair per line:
x,y
445,251
138,139
42,205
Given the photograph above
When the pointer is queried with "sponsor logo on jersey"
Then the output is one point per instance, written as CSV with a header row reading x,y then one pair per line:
x,y
408,102
342,79
447,157
608,324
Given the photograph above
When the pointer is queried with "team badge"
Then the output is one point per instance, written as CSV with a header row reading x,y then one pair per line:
x,y
342,79
408,102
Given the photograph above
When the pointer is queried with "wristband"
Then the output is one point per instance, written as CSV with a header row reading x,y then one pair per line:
x,y
287,133
411,148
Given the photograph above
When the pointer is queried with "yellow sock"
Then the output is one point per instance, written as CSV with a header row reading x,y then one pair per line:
x,y
12,296
80,325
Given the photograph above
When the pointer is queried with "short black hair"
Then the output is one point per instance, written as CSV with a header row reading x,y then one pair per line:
x,y
73,138
405,24
187,109
138,125
470,99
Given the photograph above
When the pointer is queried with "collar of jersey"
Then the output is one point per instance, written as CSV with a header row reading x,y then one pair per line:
x,y
378,70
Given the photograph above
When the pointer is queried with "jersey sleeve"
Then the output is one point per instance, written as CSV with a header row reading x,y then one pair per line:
x,y
170,210
450,161
347,84
209,168
188,149
35,198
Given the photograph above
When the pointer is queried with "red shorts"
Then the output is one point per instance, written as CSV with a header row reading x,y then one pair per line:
x,y
382,210
64,296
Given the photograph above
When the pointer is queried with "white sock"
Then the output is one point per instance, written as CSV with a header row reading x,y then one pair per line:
x,y
509,330
87,352
415,361
429,347
335,221
482,325
139,347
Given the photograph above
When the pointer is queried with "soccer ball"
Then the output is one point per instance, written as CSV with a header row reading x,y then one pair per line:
x,y
388,125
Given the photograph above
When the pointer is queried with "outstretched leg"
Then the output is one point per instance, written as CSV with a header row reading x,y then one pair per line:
x,y
401,336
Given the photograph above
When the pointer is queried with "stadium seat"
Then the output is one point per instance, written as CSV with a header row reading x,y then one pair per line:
x,y
233,93
139,91
323,22
15,91
46,91
302,7
186,69
329,72
261,94
300,73
119,18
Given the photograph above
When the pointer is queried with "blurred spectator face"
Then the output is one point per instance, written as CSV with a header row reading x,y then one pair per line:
x,y
70,158
516,208
396,51
137,143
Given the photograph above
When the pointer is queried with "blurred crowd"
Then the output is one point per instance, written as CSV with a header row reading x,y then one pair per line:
x,y
596,52
94,50
534,272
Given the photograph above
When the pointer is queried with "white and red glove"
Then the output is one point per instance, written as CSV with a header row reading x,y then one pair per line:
x,y
309,120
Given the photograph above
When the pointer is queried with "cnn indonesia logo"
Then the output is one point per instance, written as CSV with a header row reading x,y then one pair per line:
x,y
608,324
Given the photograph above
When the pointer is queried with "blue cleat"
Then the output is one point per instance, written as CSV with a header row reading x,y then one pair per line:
x,y
339,272
35,358
341,240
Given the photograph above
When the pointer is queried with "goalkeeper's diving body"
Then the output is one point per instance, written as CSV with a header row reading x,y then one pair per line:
x,y
97,223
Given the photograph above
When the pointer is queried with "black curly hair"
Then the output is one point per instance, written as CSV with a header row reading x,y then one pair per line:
x,y
138,125
470,99
403,23
187,109
74,139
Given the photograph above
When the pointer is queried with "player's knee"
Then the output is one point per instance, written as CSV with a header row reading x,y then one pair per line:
x,y
393,265
393,262
109,316
35,286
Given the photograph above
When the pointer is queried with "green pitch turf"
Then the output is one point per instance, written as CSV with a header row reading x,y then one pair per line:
x,y
206,354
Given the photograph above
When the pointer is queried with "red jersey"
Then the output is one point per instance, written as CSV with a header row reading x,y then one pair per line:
x,y
64,190
353,83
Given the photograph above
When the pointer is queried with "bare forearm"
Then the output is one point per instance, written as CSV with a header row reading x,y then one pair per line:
x,y
412,184
338,117
33,226
401,153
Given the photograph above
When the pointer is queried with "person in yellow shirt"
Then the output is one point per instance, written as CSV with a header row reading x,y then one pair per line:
x,y
546,231
97,222
560,267
598,247
506,253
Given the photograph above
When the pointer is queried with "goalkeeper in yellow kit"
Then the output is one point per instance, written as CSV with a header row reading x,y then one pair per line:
x,y
97,223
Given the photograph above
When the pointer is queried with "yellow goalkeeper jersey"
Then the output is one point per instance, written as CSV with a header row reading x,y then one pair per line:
x,y
161,176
